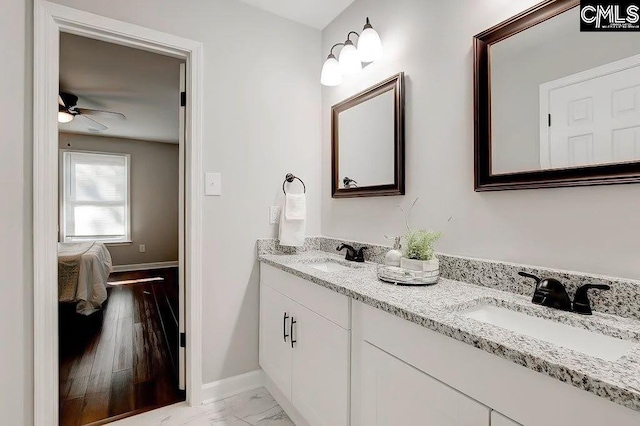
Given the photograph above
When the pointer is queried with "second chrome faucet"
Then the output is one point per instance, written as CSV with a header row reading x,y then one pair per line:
x,y
553,294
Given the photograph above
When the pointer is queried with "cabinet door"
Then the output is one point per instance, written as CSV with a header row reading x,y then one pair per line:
x,y
275,352
396,393
320,389
498,419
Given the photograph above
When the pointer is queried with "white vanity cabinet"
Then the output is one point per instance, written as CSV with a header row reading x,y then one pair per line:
x,y
275,346
305,346
403,373
334,361
396,393
498,419
320,373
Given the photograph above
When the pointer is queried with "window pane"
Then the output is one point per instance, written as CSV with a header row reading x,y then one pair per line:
x,y
91,221
98,177
95,196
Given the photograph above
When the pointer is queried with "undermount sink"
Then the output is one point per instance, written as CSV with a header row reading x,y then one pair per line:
x,y
329,266
578,339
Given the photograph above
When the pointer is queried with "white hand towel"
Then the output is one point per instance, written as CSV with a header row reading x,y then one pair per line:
x,y
295,207
292,231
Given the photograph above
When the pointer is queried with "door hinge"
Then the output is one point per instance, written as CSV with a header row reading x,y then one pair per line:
x,y
549,118
183,99
183,340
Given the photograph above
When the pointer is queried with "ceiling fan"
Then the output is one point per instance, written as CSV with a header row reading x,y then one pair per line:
x,y
68,111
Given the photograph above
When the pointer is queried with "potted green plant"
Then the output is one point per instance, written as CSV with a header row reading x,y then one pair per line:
x,y
418,253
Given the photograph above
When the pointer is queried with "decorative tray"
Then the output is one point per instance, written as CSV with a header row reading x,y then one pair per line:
x,y
401,276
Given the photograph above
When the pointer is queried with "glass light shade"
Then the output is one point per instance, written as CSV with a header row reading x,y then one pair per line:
x,y
349,59
64,117
369,45
331,75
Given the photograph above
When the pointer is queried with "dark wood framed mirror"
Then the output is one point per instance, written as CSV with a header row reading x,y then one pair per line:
x,y
367,142
555,106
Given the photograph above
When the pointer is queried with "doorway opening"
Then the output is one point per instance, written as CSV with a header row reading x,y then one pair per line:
x,y
120,280
112,223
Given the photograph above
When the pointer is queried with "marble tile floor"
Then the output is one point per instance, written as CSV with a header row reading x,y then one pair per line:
x,y
255,408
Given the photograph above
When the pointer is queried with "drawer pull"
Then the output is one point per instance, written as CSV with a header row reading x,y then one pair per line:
x,y
284,327
293,321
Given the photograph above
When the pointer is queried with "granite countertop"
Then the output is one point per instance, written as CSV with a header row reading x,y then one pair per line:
x,y
438,308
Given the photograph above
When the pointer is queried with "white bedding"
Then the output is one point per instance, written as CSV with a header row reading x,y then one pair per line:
x,y
83,269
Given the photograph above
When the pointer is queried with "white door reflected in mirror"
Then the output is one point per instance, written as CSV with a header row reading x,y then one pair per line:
x,y
561,98
592,117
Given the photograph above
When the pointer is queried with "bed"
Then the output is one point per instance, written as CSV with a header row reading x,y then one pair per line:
x,y
83,269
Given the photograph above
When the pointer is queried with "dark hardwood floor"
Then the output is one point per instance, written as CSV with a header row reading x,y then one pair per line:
x,y
119,360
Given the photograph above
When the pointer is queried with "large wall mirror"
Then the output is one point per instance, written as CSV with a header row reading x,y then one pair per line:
x,y
367,140
555,106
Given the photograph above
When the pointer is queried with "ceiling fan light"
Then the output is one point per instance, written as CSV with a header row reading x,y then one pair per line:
x,y
349,59
64,117
369,44
331,75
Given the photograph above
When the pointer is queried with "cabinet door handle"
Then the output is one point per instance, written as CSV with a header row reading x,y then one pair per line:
x,y
284,327
293,321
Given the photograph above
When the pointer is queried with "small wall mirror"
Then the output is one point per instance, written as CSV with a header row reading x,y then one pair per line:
x,y
556,106
367,138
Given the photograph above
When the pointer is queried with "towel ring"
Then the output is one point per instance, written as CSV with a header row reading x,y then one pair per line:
x,y
290,178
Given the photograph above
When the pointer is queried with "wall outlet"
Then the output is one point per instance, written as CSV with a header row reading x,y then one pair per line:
x,y
142,248
274,214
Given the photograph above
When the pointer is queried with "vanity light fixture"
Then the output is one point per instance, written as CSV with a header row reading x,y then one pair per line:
x,y
369,44
350,59
331,75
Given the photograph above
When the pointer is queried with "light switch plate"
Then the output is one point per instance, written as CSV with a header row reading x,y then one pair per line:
x,y
274,214
213,184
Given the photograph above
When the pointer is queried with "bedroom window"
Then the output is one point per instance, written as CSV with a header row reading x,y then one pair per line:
x,y
95,197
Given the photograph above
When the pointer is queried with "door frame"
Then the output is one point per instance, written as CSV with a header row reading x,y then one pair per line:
x,y
50,20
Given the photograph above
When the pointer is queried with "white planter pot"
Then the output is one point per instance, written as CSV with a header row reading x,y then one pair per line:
x,y
432,265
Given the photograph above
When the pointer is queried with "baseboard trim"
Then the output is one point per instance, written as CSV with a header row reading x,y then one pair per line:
x,y
145,266
231,386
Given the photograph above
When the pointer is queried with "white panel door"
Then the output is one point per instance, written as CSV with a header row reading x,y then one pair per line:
x,y
320,387
594,121
395,393
275,349
498,419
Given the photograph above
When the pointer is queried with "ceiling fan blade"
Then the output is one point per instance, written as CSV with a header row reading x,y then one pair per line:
x,y
68,100
91,123
100,113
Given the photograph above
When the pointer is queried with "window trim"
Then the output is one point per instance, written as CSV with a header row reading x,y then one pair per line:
x,y
62,237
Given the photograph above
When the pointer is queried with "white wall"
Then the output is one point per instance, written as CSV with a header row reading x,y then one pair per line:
x,y
16,289
154,182
262,120
587,229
